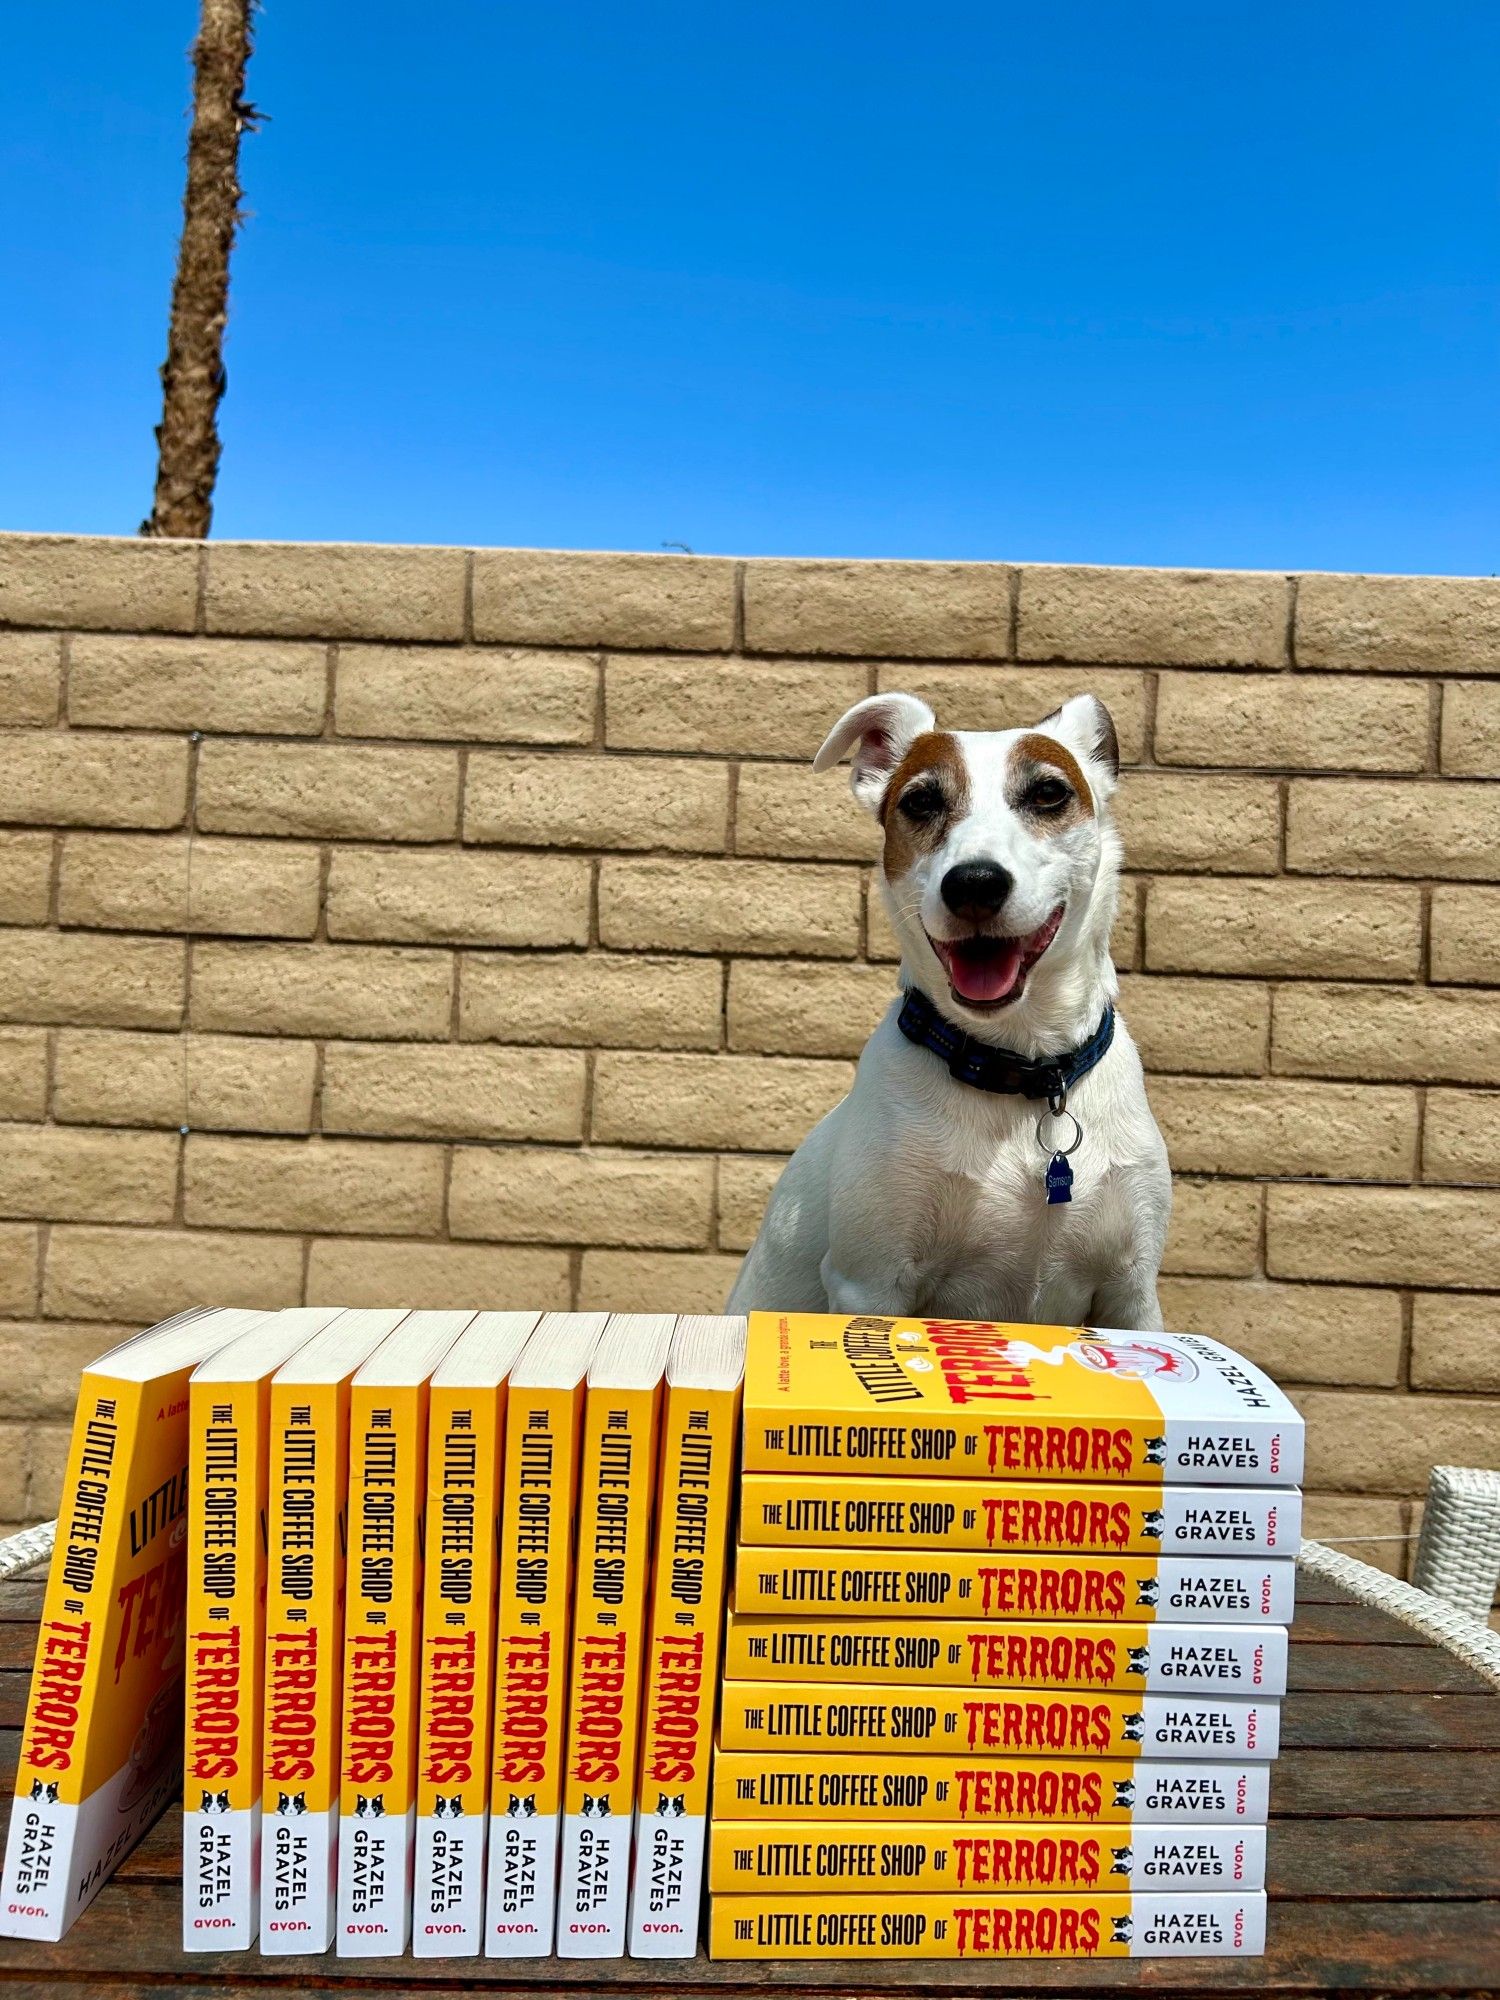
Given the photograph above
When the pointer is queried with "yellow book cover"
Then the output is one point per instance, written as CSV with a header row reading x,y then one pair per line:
x,y
378,1720
229,1446
307,1523
807,1510
1248,1660
466,1416
683,1638
616,1492
1166,1924
853,1785
544,1422
911,1721
750,1858
934,1399
102,1736
868,1583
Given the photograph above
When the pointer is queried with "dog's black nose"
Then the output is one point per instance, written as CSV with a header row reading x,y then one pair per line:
x,y
976,889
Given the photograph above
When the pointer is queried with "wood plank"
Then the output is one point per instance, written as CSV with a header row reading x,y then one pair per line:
x,y
21,1597
1315,1668
122,1946
1430,1860
1386,1784
17,1644
1351,1625
1391,1722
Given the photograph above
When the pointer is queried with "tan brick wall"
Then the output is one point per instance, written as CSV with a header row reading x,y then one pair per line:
x,y
384,925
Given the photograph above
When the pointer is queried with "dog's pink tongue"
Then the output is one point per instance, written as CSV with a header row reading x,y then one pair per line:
x,y
987,975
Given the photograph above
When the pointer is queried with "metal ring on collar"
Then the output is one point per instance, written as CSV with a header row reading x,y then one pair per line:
x,y
1047,1146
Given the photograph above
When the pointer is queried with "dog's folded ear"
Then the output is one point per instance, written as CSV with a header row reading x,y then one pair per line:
x,y
1088,729
880,731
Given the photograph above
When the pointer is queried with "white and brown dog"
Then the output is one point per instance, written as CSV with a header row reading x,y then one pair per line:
x,y
996,1157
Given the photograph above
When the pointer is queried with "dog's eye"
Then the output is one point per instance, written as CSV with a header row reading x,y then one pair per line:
x,y
920,804
1048,795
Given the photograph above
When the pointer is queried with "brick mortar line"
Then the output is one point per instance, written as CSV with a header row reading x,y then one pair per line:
x,y
1150,765
668,649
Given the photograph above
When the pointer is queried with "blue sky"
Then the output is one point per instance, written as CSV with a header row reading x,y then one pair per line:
x,y
1152,283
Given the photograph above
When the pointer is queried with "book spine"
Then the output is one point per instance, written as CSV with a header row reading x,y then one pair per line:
x,y
228,1434
749,1784
456,1671
760,1858
948,1721
682,1670
1243,1660
306,1523
377,1797
37,1891
1095,1589
531,1670
1167,1924
617,1489
802,1511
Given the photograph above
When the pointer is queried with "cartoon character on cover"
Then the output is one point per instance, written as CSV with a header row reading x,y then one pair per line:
x,y
45,1793
369,1808
1132,1360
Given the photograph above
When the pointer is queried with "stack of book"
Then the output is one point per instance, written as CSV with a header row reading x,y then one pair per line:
x,y
441,1595
426,1611
1007,1642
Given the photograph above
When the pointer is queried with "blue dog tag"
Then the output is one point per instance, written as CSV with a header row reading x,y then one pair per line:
x,y
1059,1180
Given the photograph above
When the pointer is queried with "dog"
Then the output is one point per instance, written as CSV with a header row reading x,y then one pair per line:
x,y
996,1157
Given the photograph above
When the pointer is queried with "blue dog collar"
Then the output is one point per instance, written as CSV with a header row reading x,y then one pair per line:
x,y
1000,1070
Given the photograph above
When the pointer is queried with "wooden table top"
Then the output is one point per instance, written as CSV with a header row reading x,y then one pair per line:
x,y
1384,1864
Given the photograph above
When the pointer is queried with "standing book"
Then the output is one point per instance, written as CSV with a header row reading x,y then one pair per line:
x,y
229,1418
543,1428
616,1494
957,1399
467,1400
101,1740
378,1731
705,1370
307,1520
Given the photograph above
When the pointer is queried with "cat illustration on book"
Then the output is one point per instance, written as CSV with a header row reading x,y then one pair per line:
x,y
521,1806
1147,1590
45,1794
1152,1524
1121,1931
596,1808
670,1805
214,1802
449,1808
1123,1856
291,1802
1139,1659
369,1808
1124,1791
1135,1728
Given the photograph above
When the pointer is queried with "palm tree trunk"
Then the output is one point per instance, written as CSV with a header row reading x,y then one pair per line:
x,y
193,373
